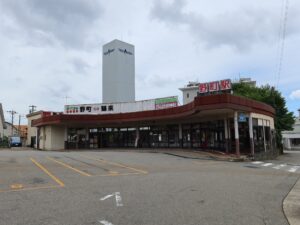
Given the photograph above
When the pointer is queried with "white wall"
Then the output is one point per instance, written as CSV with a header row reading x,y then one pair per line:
x,y
118,72
7,130
52,138
188,95
57,138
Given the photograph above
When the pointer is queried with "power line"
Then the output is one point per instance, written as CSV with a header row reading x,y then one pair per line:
x,y
282,35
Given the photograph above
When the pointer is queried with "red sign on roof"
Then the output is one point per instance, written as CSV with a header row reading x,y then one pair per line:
x,y
215,86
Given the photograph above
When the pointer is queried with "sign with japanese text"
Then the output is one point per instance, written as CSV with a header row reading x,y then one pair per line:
x,y
164,103
215,86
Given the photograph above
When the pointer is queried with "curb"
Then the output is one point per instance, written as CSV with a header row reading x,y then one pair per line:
x,y
291,206
228,159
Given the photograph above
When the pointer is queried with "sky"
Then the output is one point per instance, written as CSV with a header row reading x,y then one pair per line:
x,y
51,49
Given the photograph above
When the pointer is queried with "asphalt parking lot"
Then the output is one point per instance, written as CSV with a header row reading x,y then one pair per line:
x,y
122,188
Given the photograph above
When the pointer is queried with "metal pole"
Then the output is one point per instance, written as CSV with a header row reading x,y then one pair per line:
x,y
236,134
19,125
12,112
251,134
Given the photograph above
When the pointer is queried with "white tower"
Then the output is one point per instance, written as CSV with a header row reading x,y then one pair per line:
x,y
118,72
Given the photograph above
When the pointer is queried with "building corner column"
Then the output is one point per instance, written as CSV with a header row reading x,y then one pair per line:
x,y
236,134
180,135
251,134
226,135
66,138
137,137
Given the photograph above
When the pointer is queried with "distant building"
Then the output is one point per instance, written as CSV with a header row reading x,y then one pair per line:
x,y
10,130
291,139
23,131
245,81
2,122
118,72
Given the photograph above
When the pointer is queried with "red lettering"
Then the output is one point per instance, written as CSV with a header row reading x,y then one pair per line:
x,y
203,87
214,86
225,84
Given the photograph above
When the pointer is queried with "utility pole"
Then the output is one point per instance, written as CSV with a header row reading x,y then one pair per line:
x,y
12,112
19,128
32,108
67,97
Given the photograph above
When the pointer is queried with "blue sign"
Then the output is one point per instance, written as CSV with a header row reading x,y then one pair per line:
x,y
242,117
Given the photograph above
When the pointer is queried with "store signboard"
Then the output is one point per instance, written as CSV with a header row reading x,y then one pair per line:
x,y
242,117
122,107
215,86
82,109
164,103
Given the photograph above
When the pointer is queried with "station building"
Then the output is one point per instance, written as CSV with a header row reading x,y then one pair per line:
x,y
213,119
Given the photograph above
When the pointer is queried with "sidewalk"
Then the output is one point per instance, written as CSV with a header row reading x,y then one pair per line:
x,y
192,154
291,205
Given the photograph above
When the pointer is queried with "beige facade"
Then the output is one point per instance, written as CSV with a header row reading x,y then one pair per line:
x,y
51,138
264,120
32,131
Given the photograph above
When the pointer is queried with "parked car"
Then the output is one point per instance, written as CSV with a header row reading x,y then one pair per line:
x,y
15,141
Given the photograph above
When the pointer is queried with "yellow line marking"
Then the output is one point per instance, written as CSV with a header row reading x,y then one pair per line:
x,y
70,167
29,188
16,186
113,172
116,164
48,173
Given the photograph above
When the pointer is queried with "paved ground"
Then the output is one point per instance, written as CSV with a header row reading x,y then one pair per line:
x,y
131,188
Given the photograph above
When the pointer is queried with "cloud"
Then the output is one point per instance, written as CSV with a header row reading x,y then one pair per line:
x,y
80,66
295,95
239,29
67,22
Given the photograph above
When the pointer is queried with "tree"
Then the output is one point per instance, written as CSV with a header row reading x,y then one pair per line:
x,y
284,119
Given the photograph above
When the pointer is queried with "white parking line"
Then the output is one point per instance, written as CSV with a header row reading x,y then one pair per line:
x,y
257,162
294,169
279,166
267,164
104,222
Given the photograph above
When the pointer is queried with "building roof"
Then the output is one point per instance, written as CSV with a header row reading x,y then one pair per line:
x,y
205,105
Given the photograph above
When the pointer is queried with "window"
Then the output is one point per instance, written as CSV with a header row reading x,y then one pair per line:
x,y
187,95
110,108
103,108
